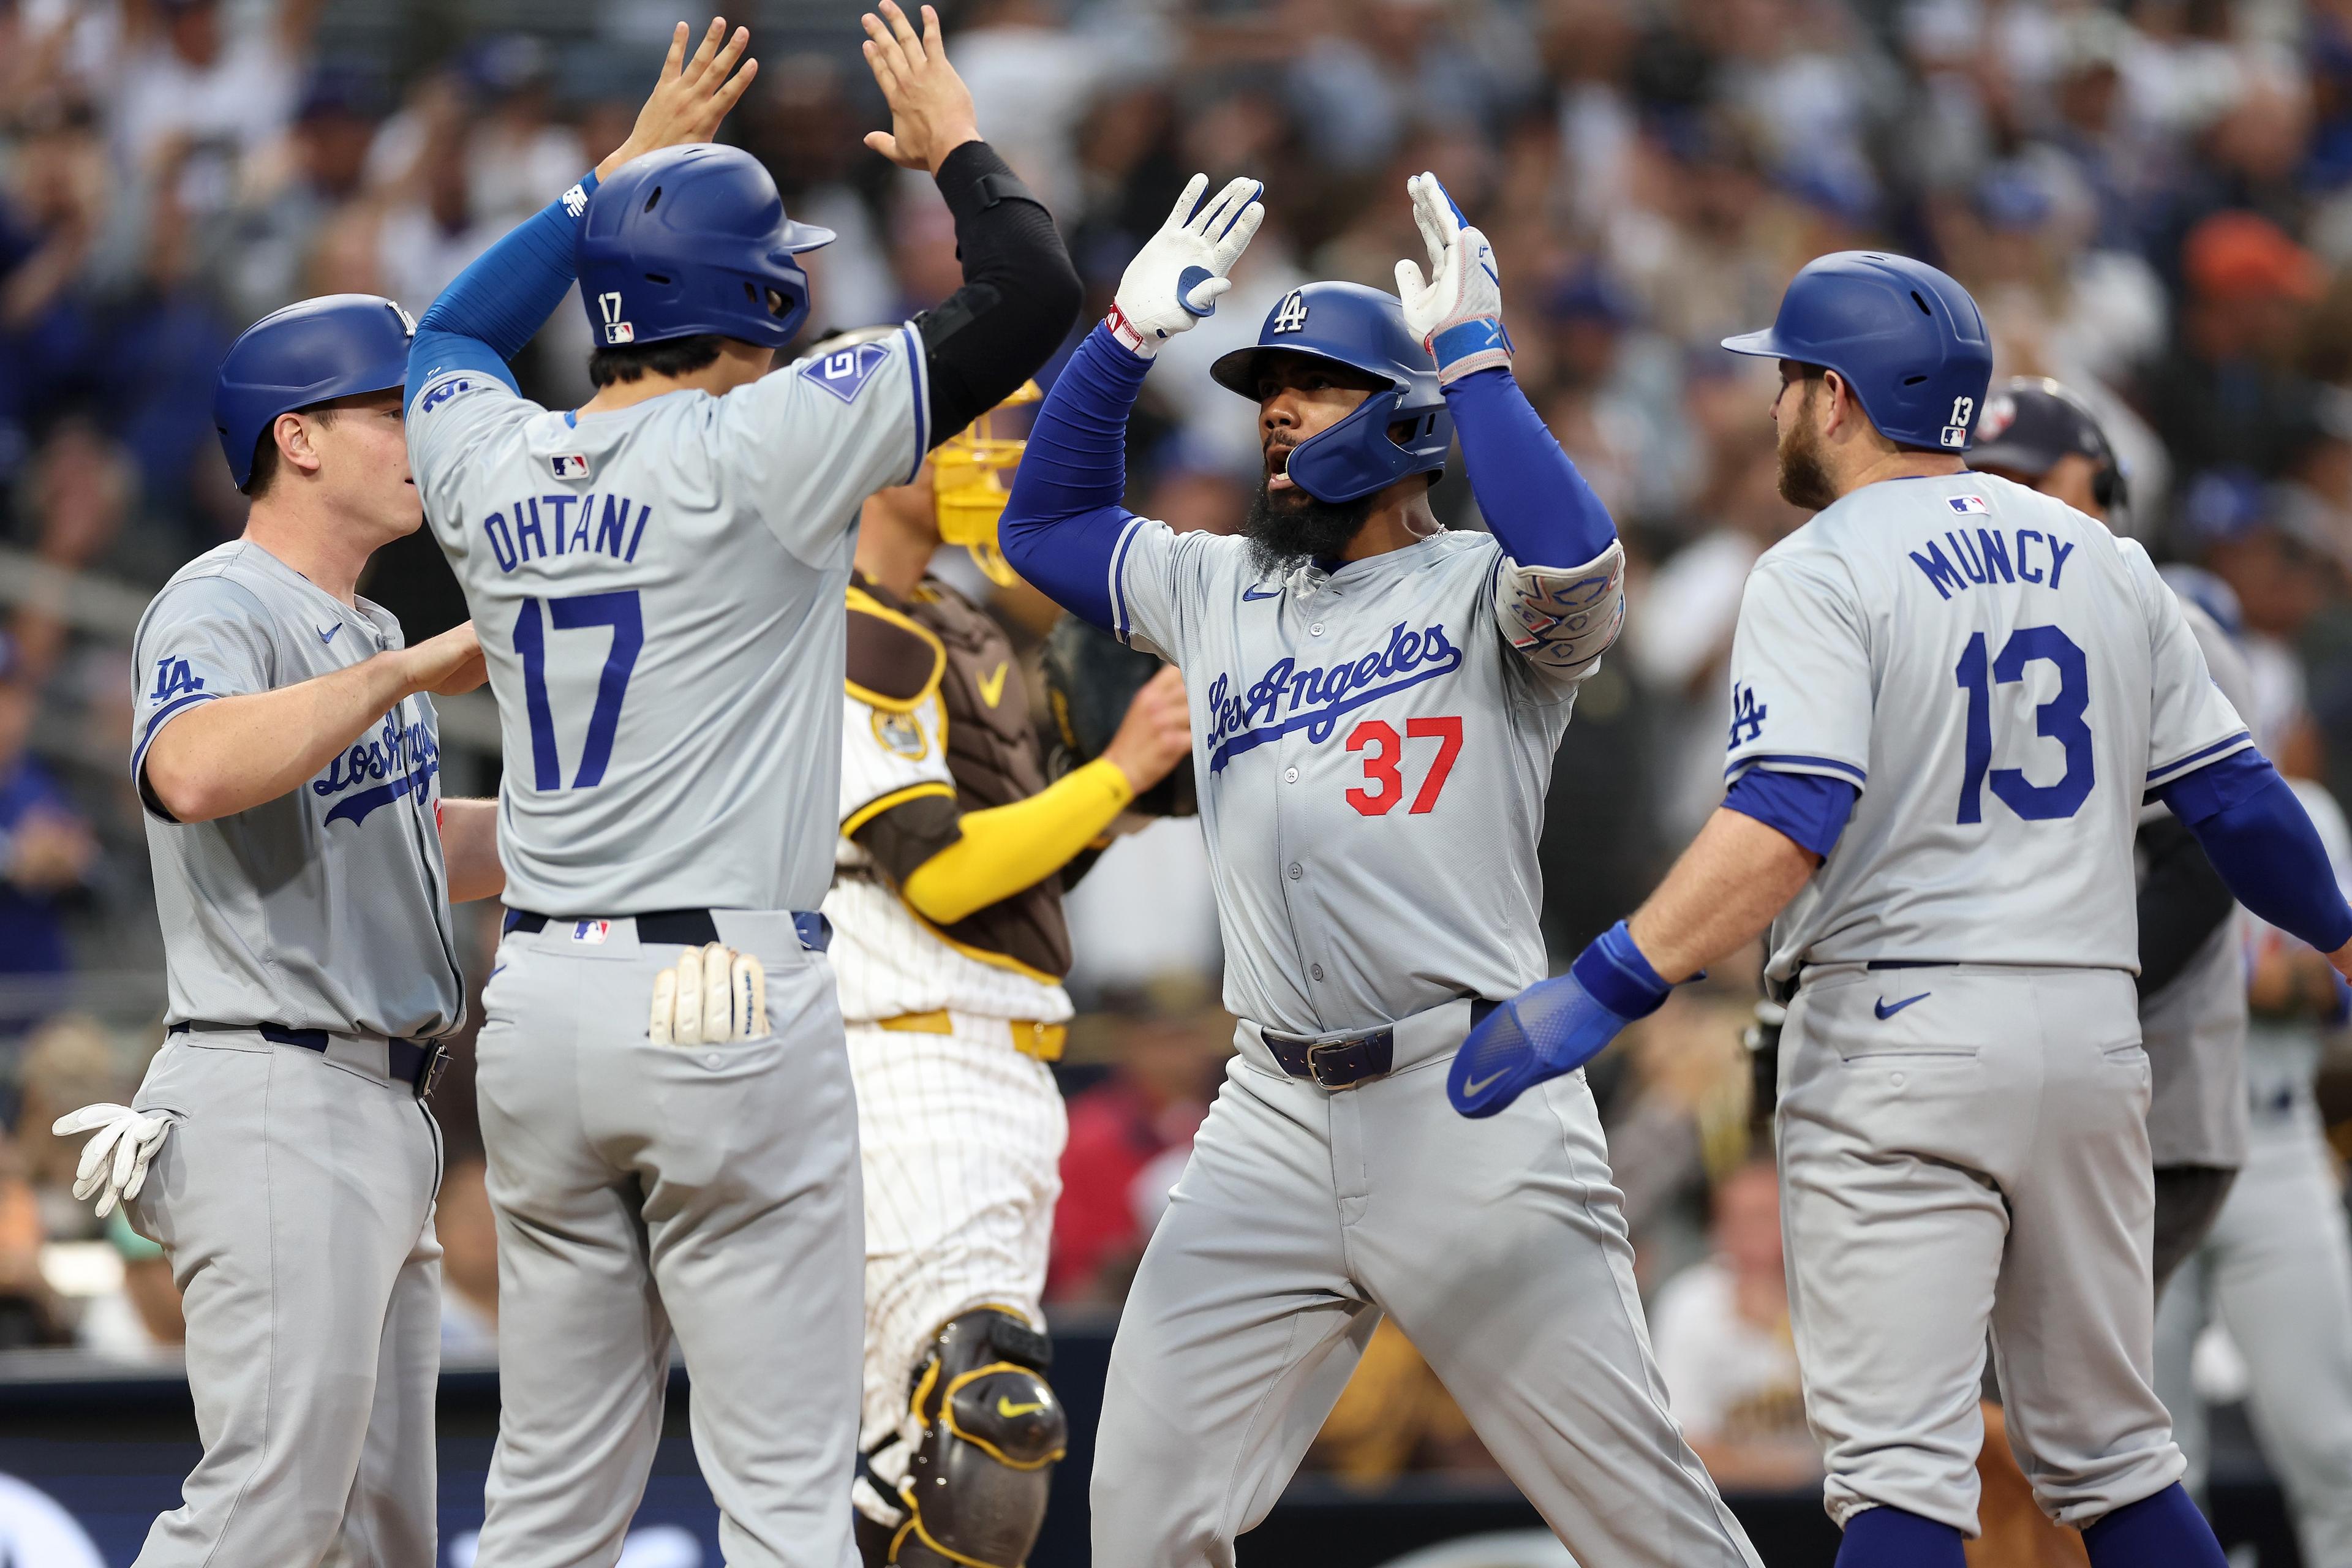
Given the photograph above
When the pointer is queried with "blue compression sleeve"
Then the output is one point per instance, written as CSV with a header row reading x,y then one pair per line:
x,y
1808,808
499,303
2262,841
1531,496
1065,516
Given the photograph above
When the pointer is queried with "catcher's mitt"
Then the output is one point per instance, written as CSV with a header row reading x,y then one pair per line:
x,y
1090,677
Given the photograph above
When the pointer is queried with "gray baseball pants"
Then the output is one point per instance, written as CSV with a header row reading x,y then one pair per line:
x,y
294,1198
1499,1245
2277,1269
1975,1159
643,1192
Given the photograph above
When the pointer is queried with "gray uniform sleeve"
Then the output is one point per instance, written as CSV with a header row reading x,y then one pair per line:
x,y
2191,723
202,638
1800,686
811,441
1163,584
448,420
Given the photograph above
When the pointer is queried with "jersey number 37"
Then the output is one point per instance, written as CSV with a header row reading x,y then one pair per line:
x,y
2059,720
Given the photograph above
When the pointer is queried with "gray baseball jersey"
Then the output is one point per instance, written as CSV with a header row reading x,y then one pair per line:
x,y
326,908
2004,679
2195,1029
659,592
1372,758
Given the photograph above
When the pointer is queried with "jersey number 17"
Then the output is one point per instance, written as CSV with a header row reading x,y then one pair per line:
x,y
618,610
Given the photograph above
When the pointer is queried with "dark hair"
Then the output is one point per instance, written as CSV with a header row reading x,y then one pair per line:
x,y
264,448
670,356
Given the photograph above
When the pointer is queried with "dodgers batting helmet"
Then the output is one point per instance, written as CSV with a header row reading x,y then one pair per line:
x,y
694,239
2030,421
337,345
1363,330
1905,338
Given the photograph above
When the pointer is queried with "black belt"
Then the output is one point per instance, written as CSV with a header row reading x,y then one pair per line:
x,y
1349,1059
416,1063
687,928
1911,963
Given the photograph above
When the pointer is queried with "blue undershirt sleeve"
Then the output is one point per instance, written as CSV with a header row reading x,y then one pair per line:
x,y
1066,515
1810,809
498,304
2262,841
1530,494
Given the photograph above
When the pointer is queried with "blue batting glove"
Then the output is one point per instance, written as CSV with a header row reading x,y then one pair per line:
x,y
1555,1026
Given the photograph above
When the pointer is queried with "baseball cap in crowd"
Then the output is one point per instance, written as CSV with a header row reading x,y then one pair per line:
x,y
2242,254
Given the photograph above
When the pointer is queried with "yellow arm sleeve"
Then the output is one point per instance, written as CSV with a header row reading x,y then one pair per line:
x,y
1008,848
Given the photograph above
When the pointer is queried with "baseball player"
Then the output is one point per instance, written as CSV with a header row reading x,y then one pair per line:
x,y
2276,1270
1951,696
660,574
949,945
2191,981
288,760
1375,701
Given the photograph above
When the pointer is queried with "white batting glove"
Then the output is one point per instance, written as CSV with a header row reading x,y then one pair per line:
x,y
710,995
1176,278
1457,314
114,1164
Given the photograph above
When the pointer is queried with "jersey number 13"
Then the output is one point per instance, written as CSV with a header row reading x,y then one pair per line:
x,y
2059,720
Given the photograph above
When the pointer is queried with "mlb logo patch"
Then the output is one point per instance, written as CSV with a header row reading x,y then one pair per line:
x,y
620,333
1965,504
569,465
593,932
846,371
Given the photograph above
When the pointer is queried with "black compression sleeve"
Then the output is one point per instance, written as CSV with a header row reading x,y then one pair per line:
x,y
2182,903
1018,298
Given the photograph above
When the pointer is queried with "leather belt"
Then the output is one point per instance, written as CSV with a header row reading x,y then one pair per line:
x,y
416,1063
1343,1061
687,928
1031,1038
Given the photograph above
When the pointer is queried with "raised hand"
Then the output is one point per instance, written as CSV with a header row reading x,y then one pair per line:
x,y
691,97
931,107
1457,313
1177,275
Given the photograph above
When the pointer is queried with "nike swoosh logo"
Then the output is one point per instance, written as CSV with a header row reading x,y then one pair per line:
x,y
992,687
328,636
1469,1089
1255,593
1887,1010
1007,1409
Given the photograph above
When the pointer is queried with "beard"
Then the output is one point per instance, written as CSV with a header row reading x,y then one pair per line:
x,y
1804,477
1287,527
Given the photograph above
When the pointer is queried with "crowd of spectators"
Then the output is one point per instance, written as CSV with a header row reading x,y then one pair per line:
x,y
2152,200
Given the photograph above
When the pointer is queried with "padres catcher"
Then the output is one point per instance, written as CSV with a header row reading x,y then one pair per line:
x,y
666,1101
1951,695
1376,702
950,946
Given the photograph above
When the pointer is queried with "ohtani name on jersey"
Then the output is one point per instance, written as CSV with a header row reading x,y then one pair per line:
x,y
541,528
1985,556
405,756
1286,698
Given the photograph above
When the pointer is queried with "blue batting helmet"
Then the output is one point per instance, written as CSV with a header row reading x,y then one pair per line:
x,y
1907,340
337,345
694,239
1363,330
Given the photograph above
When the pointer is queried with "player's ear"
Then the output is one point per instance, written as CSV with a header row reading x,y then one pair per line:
x,y
292,431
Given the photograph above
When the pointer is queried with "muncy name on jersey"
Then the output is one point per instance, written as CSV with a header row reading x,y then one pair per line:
x,y
1317,696
1984,555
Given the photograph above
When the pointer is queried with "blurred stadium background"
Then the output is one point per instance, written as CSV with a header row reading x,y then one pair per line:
x,y
2151,198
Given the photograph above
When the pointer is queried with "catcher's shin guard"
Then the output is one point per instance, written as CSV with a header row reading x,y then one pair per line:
x,y
974,1492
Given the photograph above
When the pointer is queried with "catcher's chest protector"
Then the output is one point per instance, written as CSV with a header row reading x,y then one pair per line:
x,y
993,753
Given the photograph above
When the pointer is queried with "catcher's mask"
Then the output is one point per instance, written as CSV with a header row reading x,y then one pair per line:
x,y
968,474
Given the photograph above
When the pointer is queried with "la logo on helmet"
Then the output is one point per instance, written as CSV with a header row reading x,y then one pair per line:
x,y
1291,315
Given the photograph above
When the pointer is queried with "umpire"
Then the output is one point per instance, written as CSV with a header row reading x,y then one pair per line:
x,y
290,762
